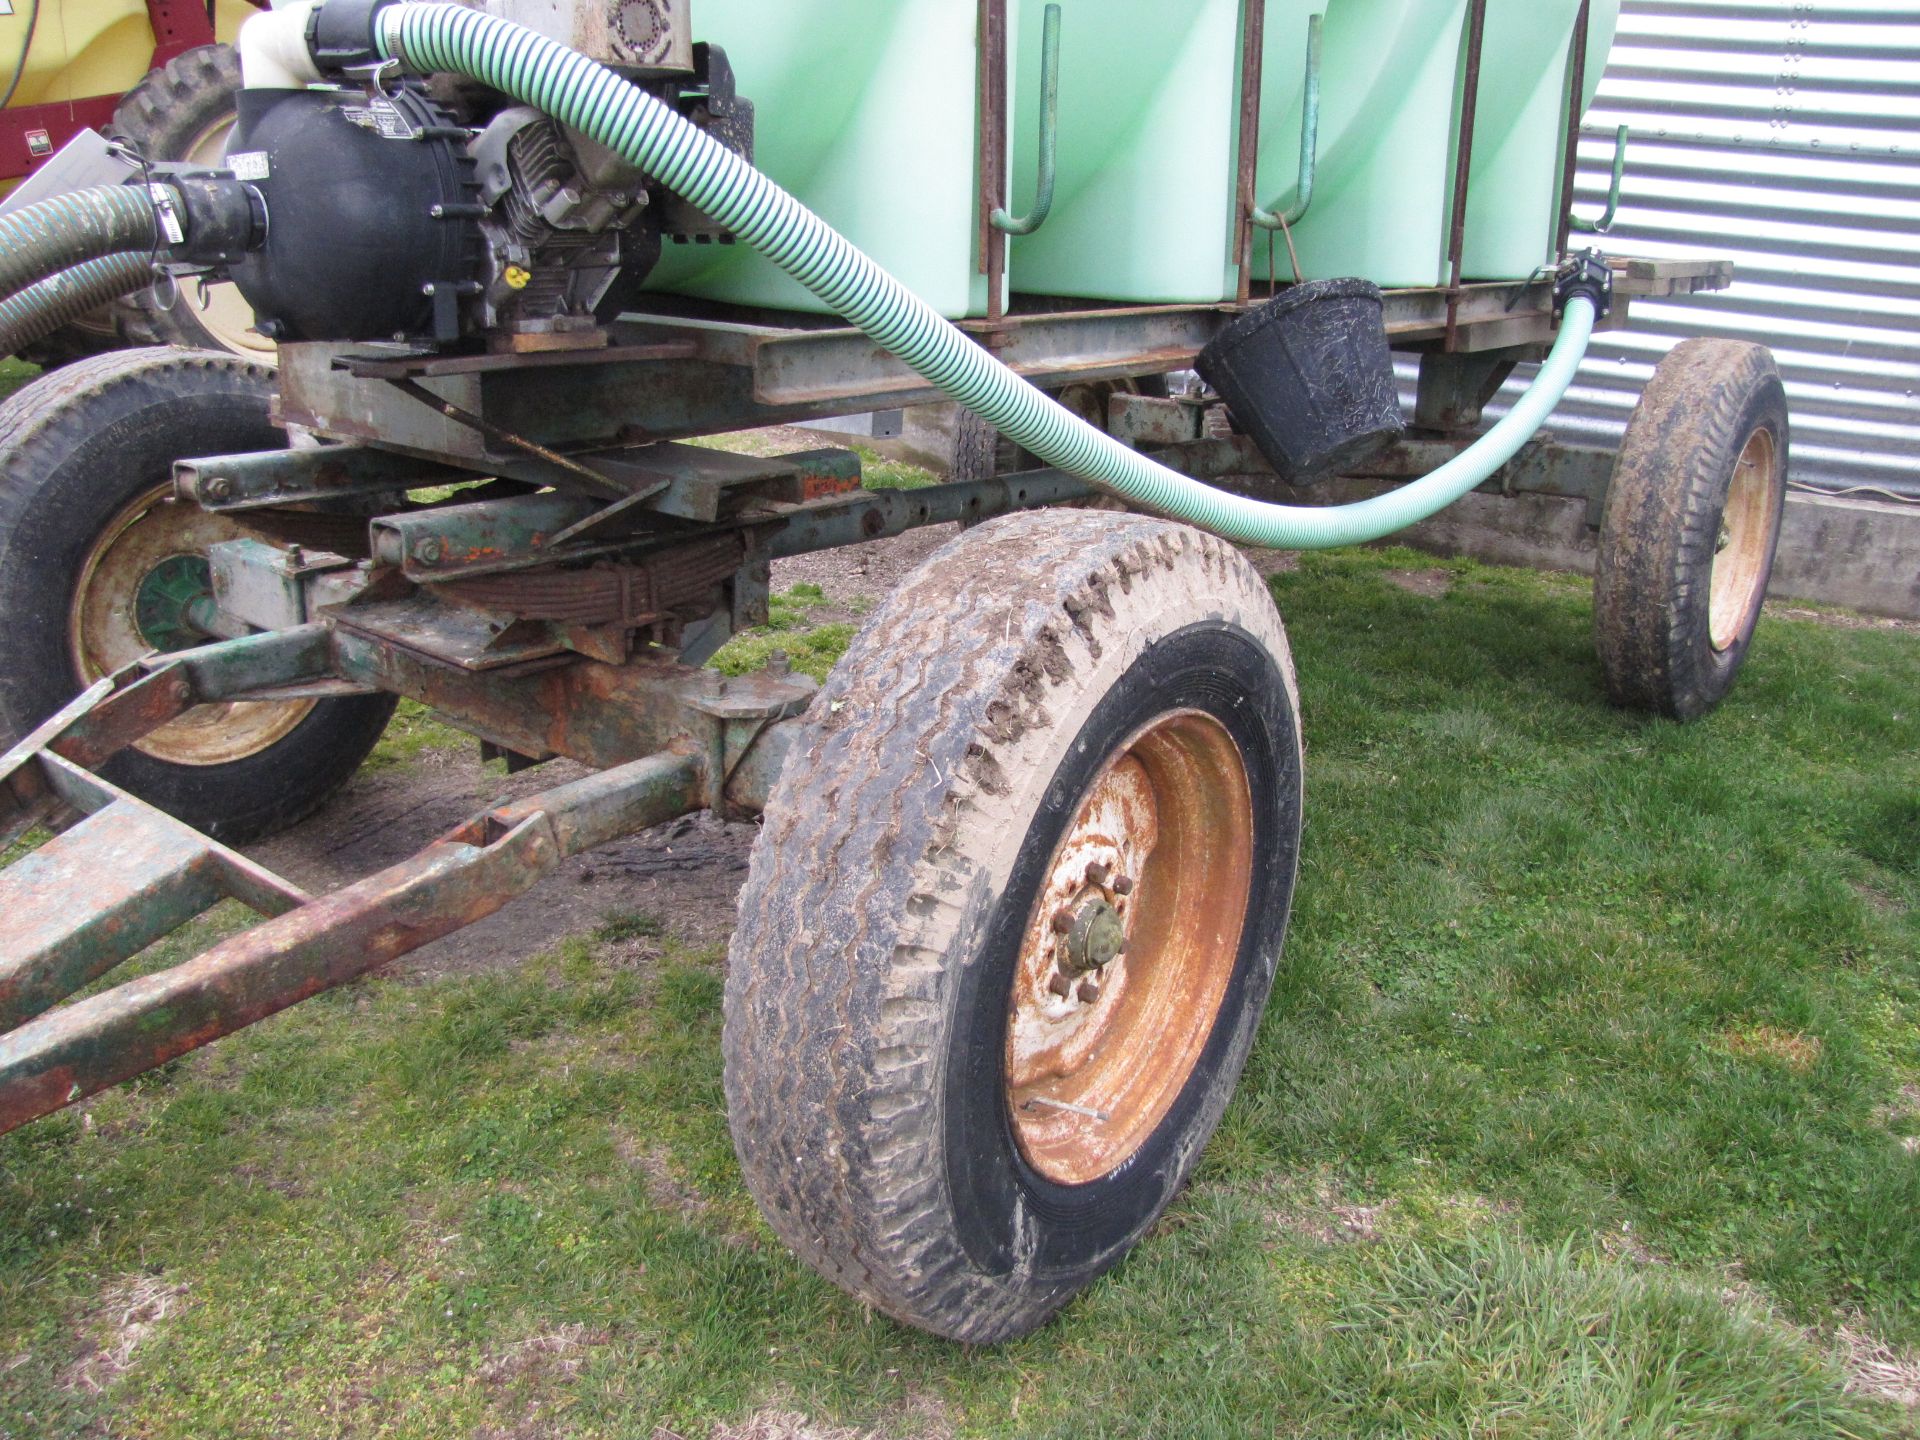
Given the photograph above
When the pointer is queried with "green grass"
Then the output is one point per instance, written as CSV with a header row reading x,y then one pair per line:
x,y
14,374
1577,1111
414,732
810,648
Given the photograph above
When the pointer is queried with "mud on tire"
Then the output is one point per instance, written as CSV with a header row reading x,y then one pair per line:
x,y
1691,522
881,992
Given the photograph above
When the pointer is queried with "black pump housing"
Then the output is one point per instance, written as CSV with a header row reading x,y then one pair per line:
x,y
371,211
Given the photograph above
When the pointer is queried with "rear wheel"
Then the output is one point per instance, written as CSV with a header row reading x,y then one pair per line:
x,y
184,111
1691,523
1014,914
99,565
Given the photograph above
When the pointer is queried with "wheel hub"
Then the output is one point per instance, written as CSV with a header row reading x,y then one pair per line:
x,y
170,596
145,585
1132,941
1744,543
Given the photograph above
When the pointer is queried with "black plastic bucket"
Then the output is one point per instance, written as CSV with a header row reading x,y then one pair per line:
x,y
1309,378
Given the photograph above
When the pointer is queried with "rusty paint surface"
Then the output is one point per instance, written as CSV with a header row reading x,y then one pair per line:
x,y
142,875
1746,538
1097,1053
471,872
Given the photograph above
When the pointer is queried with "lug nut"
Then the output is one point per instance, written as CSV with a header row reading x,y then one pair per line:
x,y
1123,884
428,552
1063,920
1097,873
1088,991
1060,985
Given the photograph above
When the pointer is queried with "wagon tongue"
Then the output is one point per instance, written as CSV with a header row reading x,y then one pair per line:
x,y
126,875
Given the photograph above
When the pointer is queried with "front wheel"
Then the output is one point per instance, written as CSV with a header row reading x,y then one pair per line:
x,y
100,565
1014,915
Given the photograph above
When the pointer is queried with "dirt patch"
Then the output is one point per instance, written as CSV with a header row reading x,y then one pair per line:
x,y
1876,898
1875,1368
114,1329
1626,1245
686,871
1428,584
1272,562
1903,1108
923,1418
1842,619
857,577
551,1355
1326,1218
1797,1052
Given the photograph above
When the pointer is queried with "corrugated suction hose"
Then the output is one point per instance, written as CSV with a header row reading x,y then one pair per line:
x,y
592,99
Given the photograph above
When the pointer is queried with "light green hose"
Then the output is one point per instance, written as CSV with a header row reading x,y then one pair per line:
x,y
592,99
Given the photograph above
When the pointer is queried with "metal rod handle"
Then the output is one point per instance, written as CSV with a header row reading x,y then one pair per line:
x,y
1605,222
1049,134
1309,143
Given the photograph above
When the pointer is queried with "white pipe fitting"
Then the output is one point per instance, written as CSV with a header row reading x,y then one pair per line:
x,y
273,49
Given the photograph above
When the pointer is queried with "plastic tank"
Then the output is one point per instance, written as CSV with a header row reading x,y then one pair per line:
x,y
867,111
1143,199
1389,78
1513,197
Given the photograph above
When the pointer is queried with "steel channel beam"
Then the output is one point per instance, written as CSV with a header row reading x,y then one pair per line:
x,y
267,478
873,514
738,376
85,1047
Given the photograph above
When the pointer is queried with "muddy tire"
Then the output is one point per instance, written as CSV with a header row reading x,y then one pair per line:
x,y
98,565
1691,522
1013,916
183,111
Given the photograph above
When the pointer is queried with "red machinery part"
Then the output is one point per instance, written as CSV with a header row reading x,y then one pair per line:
x,y
30,134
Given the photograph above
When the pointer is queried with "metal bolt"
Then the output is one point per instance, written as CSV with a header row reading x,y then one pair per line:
x,y
1089,991
1097,873
1123,884
779,663
1060,985
218,488
296,557
1063,920
428,551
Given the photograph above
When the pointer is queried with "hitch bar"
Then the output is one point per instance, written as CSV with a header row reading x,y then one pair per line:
x,y
139,874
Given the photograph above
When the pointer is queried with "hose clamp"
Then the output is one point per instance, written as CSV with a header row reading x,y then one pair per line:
x,y
344,35
1585,273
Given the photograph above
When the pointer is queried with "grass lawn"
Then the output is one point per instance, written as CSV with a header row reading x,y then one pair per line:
x,y
1586,1104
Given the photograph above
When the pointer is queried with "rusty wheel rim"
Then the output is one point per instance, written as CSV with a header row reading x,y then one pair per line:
x,y
1159,862
1744,542
151,547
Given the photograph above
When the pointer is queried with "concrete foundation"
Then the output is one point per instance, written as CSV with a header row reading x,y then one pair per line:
x,y
1834,550
1862,554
